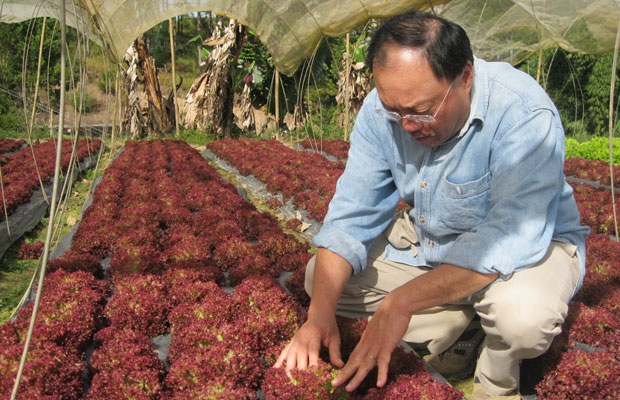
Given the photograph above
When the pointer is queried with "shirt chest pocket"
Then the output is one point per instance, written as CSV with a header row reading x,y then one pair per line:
x,y
464,205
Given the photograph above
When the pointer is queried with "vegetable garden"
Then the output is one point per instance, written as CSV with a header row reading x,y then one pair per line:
x,y
180,282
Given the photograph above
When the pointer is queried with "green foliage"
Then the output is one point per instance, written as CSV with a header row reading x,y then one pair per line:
x,y
106,81
579,85
20,49
597,94
595,149
12,122
81,99
195,137
256,62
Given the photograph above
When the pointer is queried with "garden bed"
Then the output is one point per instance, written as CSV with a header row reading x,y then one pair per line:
x,y
176,286
22,198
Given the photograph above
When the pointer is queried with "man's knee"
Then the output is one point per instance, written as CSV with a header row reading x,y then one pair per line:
x,y
527,329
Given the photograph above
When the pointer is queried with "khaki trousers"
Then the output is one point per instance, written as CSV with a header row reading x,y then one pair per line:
x,y
520,316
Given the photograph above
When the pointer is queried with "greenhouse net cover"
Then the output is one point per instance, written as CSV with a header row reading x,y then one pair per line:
x,y
509,30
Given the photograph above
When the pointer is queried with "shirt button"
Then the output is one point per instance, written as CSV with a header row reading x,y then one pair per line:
x,y
431,243
422,219
423,184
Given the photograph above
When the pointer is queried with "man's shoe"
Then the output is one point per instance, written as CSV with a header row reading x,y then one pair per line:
x,y
478,393
459,361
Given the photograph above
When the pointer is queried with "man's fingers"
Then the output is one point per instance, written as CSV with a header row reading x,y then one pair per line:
x,y
335,356
302,359
343,375
283,356
382,372
355,374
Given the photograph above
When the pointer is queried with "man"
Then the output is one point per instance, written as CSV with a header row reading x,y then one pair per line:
x,y
477,150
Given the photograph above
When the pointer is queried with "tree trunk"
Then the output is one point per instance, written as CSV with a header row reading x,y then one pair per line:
x,y
209,101
353,86
146,111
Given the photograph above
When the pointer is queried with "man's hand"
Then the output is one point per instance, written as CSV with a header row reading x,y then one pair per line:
x,y
383,333
331,272
391,320
303,350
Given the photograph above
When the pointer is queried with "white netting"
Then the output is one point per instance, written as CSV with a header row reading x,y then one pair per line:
x,y
508,30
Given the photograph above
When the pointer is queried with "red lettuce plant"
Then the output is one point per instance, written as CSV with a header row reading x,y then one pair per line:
x,y
72,261
291,262
215,305
124,365
205,354
594,326
611,300
95,233
232,251
603,248
406,374
140,302
185,250
408,378
30,251
51,371
251,266
8,145
191,285
581,375
276,244
312,383
136,252
8,334
594,205
269,309
335,147
591,170
420,385
69,310
254,223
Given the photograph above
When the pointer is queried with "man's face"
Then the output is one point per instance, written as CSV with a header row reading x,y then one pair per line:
x,y
407,86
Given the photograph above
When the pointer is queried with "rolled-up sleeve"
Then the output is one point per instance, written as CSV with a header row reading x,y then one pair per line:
x,y
365,198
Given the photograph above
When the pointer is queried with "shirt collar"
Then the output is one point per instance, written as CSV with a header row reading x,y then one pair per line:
x,y
477,99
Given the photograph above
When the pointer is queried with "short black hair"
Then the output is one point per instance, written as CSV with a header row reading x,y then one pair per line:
x,y
445,44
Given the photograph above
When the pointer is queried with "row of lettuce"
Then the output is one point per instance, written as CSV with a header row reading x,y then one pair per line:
x,y
26,168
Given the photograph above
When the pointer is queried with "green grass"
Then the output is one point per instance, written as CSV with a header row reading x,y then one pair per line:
x,y
15,276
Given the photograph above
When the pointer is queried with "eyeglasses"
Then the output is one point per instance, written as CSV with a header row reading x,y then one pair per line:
x,y
415,118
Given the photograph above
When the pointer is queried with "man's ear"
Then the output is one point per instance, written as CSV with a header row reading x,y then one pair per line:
x,y
468,75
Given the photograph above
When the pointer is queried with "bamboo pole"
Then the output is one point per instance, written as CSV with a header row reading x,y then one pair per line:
x,y
611,130
46,248
277,98
34,108
174,79
347,91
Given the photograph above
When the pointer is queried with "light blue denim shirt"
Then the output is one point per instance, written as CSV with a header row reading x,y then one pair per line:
x,y
491,199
